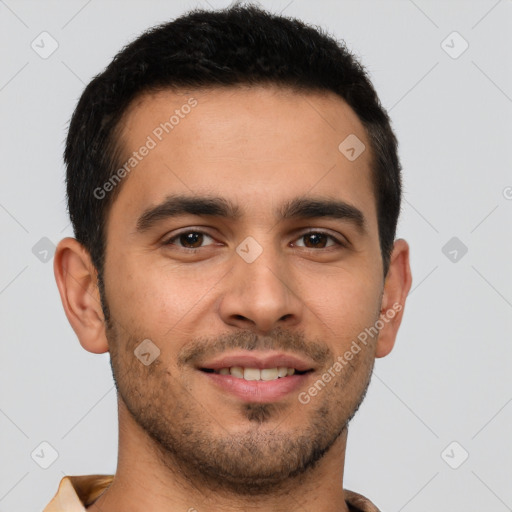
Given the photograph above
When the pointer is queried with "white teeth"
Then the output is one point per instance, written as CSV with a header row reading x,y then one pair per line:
x,y
257,374
237,371
282,371
252,374
269,374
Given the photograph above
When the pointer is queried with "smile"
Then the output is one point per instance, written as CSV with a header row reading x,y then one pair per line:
x,y
263,374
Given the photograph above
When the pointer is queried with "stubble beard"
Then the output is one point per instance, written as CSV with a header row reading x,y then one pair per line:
x,y
260,459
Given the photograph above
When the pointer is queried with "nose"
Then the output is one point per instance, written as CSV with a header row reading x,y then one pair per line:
x,y
260,295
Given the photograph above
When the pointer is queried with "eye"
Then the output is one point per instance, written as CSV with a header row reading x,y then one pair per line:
x,y
194,239
318,239
188,239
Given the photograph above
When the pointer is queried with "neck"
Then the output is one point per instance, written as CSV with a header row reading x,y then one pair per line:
x,y
144,481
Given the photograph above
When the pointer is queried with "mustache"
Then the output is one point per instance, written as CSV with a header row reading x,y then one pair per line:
x,y
279,340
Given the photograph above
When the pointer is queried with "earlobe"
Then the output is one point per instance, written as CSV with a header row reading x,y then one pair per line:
x,y
396,288
77,282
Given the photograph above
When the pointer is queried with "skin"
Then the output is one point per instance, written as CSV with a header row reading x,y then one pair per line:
x,y
184,443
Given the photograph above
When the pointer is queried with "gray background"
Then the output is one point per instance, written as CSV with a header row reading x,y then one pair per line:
x,y
448,378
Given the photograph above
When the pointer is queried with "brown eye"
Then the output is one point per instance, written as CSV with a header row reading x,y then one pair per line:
x,y
189,239
315,240
318,240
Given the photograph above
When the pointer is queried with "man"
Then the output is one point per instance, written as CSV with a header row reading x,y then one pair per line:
x,y
234,188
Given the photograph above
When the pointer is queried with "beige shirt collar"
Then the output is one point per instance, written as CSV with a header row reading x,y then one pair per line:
x,y
77,492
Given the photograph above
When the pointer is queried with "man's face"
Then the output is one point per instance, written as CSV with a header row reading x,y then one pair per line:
x,y
252,290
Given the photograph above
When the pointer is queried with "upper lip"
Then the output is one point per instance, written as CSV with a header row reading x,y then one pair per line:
x,y
253,359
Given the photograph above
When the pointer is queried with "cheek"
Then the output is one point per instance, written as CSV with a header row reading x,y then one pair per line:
x,y
154,297
346,306
131,293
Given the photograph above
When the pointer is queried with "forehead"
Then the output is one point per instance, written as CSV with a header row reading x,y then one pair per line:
x,y
253,145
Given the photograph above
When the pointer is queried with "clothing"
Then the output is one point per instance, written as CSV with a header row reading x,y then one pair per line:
x,y
77,492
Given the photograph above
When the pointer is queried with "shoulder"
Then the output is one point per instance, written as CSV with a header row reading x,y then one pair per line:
x,y
358,503
75,492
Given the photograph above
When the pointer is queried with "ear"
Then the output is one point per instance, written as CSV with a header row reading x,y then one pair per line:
x,y
77,281
396,287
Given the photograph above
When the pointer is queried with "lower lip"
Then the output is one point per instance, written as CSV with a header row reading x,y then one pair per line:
x,y
258,390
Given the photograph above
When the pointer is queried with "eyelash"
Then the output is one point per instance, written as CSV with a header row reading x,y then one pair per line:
x,y
312,232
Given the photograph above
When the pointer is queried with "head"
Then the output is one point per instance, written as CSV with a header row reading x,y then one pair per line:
x,y
216,211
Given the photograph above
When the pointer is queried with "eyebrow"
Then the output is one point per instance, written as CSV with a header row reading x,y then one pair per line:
x,y
298,208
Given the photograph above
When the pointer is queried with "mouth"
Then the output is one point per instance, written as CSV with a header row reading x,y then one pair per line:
x,y
252,374
253,377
